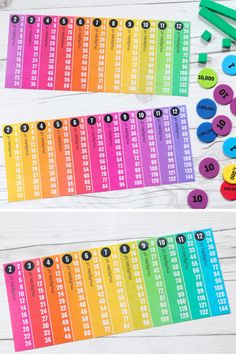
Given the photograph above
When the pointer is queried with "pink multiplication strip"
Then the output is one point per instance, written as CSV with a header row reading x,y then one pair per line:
x,y
131,147
15,51
149,151
48,53
98,156
19,311
31,52
115,153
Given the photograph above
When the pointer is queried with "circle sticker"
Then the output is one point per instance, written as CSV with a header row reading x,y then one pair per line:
x,y
205,133
222,125
207,78
67,259
143,245
197,199
48,262
223,94
233,106
8,129
206,108
229,65
124,249
10,269
228,191
105,252
180,239
86,255
229,174
209,167
29,266
162,242
199,236
229,148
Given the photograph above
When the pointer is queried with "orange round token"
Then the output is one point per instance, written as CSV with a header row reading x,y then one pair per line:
x,y
228,191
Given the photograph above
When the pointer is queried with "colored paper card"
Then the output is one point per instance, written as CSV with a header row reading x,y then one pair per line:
x,y
98,153
113,289
98,55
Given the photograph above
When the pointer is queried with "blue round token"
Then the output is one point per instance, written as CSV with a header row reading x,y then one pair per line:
x,y
205,133
229,65
206,108
229,148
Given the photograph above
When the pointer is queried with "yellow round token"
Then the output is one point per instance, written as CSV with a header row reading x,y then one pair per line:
x,y
229,174
207,78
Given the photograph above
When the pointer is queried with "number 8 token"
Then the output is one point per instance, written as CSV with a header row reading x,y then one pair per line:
x,y
197,199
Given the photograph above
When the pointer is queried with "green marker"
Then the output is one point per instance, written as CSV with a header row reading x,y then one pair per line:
x,y
218,22
220,9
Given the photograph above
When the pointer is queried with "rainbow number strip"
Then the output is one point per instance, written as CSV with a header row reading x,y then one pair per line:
x,y
98,153
98,54
120,288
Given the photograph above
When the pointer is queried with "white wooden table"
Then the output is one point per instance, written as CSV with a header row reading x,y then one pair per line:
x,y
23,105
25,235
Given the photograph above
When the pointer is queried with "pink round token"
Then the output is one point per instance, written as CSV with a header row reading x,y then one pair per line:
x,y
223,94
233,106
197,199
209,167
222,125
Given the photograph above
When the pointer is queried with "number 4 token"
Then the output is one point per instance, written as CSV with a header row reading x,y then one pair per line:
x,y
197,199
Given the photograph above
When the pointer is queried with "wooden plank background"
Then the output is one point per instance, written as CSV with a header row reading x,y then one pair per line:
x,y
26,235
23,105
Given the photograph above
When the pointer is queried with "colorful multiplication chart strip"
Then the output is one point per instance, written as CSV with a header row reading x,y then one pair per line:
x,y
98,153
119,288
98,55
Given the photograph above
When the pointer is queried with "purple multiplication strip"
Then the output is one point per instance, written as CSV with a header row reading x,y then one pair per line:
x,y
131,148
183,152
147,141
15,51
19,311
48,53
31,52
98,158
165,146
115,153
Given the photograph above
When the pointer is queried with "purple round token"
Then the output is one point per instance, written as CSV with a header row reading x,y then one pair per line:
x,y
209,167
223,94
222,125
233,106
197,199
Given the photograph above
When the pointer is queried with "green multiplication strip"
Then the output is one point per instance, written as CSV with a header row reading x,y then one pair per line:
x,y
177,59
160,57
181,59
193,277
154,282
174,279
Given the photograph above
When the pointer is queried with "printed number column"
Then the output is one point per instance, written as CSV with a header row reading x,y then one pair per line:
x,y
115,289
174,279
212,272
57,300
15,52
154,282
76,294
135,287
19,311
14,169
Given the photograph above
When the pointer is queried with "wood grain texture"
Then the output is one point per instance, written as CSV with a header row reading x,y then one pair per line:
x,y
27,235
25,105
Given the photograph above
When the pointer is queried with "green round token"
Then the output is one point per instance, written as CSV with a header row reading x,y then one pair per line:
x,y
207,78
